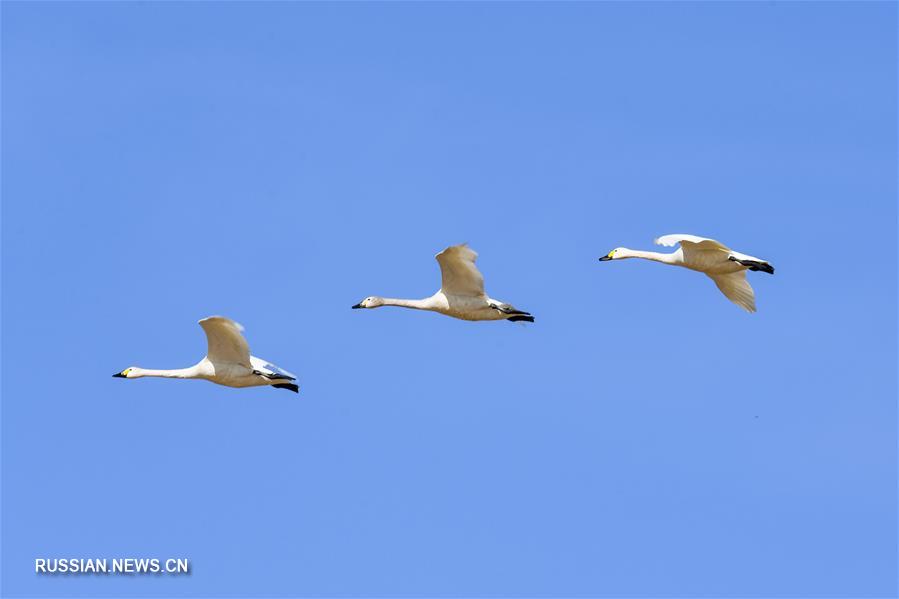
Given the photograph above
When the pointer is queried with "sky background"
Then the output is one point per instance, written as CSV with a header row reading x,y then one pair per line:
x,y
278,162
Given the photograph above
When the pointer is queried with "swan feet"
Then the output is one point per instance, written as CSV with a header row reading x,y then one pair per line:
x,y
521,317
515,315
754,265
288,386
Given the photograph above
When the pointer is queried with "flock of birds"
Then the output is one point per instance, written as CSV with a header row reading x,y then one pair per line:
x,y
461,295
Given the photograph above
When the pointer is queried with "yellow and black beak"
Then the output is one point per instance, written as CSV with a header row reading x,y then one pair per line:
x,y
356,307
607,257
120,375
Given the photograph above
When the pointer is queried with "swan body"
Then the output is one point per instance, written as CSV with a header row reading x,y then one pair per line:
x,y
461,294
724,266
227,362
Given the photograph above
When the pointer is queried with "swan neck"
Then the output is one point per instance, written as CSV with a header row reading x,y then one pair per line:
x,y
654,256
178,373
415,304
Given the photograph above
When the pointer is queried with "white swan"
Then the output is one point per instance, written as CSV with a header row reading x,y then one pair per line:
x,y
461,294
228,361
725,266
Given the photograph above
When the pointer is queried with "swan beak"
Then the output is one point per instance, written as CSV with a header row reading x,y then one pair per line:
x,y
605,258
356,307
119,375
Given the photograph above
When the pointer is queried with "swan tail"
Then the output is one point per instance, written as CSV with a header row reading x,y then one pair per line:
x,y
523,316
509,309
288,386
274,376
754,265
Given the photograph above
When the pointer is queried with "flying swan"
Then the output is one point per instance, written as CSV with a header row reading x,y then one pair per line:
x,y
228,361
461,294
725,266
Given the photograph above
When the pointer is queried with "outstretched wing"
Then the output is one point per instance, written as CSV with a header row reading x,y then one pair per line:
x,y
460,275
226,343
737,289
702,243
267,368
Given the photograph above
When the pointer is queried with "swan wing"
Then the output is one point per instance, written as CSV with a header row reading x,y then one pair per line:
x,y
702,243
737,289
226,341
460,275
266,367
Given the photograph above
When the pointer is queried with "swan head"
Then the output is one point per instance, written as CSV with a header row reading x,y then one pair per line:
x,y
370,302
616,254
132,372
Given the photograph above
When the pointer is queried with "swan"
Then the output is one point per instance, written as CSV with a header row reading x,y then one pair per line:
x,y
461,294
726,267
228,361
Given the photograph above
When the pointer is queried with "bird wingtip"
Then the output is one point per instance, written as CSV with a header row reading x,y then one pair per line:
x,y
662,241
455,248
217,318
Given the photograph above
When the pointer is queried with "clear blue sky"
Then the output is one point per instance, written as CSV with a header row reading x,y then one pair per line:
x,y
278,162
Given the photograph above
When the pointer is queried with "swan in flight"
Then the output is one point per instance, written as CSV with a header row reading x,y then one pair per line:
x,y
461,294
228,361
725,266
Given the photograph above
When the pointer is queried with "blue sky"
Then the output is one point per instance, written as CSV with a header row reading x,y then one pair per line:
x,y
278,162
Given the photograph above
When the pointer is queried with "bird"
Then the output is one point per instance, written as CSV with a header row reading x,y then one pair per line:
x,y
461,294
724,266
227,362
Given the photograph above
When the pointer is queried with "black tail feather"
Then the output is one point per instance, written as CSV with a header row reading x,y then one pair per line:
x,y
288,386
521,317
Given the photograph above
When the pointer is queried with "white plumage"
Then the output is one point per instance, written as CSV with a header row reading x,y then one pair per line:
x,y
724,266
461,293
227,362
